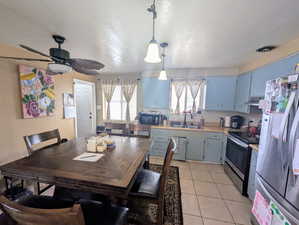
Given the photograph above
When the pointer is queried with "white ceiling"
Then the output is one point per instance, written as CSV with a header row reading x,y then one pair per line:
x,y
201,33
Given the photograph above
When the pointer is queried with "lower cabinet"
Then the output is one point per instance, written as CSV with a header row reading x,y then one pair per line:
x,y
191,145
195,147
252,175
213,150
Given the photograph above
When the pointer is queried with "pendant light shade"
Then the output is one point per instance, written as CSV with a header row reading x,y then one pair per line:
x,y
153,49
153,52
163,75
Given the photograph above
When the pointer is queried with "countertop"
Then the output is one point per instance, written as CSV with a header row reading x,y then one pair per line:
x,y
204,129
254,147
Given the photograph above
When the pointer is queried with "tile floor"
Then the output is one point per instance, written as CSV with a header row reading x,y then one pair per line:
x,y
208,195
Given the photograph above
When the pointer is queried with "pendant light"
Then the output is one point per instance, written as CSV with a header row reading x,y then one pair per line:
x,y
153,51
163,74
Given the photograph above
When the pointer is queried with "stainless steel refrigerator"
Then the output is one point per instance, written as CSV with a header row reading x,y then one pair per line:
x,y
275,178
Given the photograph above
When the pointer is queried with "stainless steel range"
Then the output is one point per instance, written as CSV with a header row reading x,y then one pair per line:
x,y
237,160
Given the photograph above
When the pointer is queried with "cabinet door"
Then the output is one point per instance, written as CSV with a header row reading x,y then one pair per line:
x,y
252,175
159,146
213,150
195,146
220,93
242,93
182,143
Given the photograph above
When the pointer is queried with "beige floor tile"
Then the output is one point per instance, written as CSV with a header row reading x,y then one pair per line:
x,y
200,175
215,168
214,209
221,178
185,173
230,192
202,167
192,220
180,164
215,222
187,186
240,212
190,204
206,189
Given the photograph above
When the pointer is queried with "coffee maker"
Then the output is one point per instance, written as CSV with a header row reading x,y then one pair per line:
x,y
237,122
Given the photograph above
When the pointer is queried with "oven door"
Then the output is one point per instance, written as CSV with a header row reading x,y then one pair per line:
x,y
237,156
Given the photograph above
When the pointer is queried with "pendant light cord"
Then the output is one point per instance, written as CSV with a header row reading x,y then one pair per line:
x,y
163,58
153,10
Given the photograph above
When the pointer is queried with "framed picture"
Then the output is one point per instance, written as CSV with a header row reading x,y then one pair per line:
x,y
37,92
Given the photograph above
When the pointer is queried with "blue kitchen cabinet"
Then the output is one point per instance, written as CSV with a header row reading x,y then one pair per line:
x,y
242,93
271,71
252,175
220,93
191,145
155,93
160,139
182,146
195,146
213,149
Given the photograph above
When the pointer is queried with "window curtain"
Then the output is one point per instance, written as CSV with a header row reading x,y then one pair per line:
x,y
194,86
108,87
179,87
128,87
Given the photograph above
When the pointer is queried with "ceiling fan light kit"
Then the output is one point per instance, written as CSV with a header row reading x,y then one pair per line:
x,y
57,68
153,50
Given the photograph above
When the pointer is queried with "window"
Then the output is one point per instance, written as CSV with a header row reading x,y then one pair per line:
x,y
186,100
118,105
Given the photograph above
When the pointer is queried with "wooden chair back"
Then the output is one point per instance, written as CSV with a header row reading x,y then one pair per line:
x,y
171,148
35,139
23,215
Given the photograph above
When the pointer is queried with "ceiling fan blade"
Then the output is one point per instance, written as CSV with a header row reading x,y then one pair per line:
x,y
35,51
86,71
27,59
86,63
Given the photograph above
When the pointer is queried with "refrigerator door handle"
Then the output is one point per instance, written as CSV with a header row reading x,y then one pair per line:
x,y
283,125
293,140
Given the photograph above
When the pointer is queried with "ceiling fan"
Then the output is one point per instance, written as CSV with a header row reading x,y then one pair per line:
x,y
60,61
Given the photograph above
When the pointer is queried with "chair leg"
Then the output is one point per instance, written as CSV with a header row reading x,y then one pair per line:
x,y
160,214
6,183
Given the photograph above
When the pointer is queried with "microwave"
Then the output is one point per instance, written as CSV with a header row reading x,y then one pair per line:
x,y
151,118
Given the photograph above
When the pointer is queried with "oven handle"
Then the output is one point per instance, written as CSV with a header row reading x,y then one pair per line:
x,y
238,142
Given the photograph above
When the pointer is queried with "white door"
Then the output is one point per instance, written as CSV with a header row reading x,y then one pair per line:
x,y
85,107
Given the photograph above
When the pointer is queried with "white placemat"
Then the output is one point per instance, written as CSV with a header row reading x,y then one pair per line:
x,y
89,157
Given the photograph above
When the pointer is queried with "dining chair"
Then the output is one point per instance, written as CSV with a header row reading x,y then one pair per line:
x,y
36,139
150,186
45,210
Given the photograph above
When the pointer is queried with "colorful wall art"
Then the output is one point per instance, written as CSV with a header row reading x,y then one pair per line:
x,y
37,89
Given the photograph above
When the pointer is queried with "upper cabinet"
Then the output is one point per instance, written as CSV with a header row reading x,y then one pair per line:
x,y
220,93
277,69
156,93
242,93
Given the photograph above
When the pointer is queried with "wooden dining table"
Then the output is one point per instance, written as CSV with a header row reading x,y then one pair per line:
x,y
112,175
